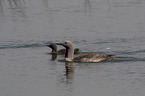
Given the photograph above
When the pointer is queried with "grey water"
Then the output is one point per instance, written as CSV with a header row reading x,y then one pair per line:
x,y
114,27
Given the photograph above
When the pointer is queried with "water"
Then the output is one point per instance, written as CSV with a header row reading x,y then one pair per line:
x,y
104,26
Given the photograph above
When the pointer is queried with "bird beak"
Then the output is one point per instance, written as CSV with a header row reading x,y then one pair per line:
x,y
58,43
48,45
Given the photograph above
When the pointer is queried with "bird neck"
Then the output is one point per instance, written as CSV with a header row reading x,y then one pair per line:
x,y
69,54
54,50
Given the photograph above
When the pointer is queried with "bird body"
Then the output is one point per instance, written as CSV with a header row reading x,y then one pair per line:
x,y
88,57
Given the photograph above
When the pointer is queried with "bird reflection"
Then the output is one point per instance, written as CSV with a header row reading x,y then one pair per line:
x,y
69,70
1,7
45,3
87,5
65,81
54,57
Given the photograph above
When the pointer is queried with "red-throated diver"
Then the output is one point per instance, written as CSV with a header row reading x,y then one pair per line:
x,y
61,51
88,57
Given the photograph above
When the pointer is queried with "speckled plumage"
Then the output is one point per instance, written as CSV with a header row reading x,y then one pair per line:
x,y
92,57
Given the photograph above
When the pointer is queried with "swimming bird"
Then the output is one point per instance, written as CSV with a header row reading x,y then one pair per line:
x,y
61,51
88,57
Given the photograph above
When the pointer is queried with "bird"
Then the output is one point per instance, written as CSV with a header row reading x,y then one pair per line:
x,y
61,51
86,57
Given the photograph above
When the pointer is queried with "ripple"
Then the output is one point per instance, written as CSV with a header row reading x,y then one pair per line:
x,y
15,45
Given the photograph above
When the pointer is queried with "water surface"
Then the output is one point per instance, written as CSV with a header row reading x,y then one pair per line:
x,y
103,26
